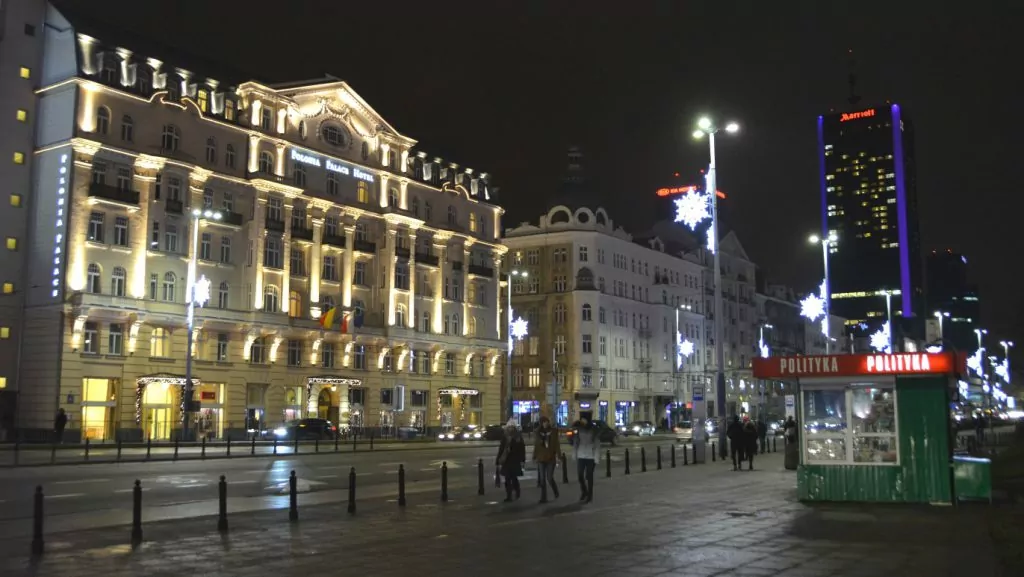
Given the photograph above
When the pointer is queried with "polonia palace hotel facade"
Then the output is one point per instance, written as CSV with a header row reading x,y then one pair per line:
x,y
323,204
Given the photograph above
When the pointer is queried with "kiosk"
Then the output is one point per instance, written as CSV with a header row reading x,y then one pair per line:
x,y
873,428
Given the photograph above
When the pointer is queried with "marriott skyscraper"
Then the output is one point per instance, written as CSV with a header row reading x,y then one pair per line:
x,y
869,202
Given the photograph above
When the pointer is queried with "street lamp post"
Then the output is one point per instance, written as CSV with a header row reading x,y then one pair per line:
x,y
826,242
764,352
1007,345
940,315
680,353
197,292
706,127
888,318
508,326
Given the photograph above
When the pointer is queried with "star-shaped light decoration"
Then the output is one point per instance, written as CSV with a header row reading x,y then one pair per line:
x,y
974,361
880,339
763,349
520,328
201,291
692,208
1003,371
812,307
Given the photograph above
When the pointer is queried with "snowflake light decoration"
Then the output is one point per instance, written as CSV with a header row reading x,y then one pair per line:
x,y
684,348
880,339
974,362
1003,371
692,208
520,328
763,349
201,291
812,307
824,326
711,240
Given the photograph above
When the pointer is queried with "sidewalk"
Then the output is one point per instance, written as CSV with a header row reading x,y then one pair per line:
x,y
689,521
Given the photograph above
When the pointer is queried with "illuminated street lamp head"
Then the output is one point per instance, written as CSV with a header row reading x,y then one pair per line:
x,y
732,128
698,134
940,314
704,123
814,239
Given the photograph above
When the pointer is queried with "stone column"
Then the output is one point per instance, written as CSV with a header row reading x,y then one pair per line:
x,y
348,268
138,228
498,312
315,265
280,161
78,212
286,262
410,320
467,245
403,191
390,260
384,177
254,152
440,249
257,236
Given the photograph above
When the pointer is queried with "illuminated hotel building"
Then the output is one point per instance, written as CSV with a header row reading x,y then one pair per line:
x,y
869,201
324,204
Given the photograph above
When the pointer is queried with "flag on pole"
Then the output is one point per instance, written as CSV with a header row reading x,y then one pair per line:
x,y
327,319
344,321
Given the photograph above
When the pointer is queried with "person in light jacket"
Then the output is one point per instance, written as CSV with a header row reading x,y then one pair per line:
x,y
545,454
586,449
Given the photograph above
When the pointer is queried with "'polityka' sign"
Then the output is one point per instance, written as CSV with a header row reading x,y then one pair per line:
x,y
855,365
847,116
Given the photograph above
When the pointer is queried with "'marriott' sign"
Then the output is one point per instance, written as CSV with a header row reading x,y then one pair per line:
x,y
855,365
847,116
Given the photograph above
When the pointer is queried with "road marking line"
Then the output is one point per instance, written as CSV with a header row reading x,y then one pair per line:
x,y
81,481
190,486
326,476
66,495
250,482
144,489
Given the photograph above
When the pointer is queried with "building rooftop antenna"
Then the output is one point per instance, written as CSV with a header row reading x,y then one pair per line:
x,y
852,79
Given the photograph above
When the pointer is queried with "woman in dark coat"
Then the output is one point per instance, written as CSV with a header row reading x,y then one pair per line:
x,y
511,456
749,442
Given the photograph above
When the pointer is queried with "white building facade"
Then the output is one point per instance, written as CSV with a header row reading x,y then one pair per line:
x,y
323,205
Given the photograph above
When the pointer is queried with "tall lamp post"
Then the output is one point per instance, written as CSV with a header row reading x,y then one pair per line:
x,y
198,293
1007,345
706,127
684,348
826,324
511,337
941,315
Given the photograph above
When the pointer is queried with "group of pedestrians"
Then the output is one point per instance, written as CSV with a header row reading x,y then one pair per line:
x,y
586,449
743,436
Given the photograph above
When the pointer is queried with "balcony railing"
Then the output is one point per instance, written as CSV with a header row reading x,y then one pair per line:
x,y
303,233
481,270
427,259
333,240
402,252
114,193
457,265
174,206
364,246
275,225
232,218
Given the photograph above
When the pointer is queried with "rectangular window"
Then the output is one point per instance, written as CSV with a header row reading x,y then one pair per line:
x,y
330,268
8,288
222,347
121,231
16,200
853,425
534,378
204,246
124,178
95,232
152,286
294,353
327,355
449,363
225,249
171,238
359,357
154,239
115,340
90,339
587,344
12,243
19,158
359,277
25,73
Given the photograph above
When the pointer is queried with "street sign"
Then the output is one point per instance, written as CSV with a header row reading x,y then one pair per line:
x,y
790,406
698,393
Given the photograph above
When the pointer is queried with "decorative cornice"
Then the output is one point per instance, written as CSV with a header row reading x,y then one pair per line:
x,y
85,147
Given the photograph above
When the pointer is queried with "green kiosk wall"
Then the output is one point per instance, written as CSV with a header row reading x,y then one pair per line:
x,y
921,471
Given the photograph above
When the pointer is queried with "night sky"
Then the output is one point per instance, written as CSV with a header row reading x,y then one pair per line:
x,y
506,87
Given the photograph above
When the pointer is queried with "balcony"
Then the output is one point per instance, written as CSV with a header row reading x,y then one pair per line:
x,y
114,193
481,270
365,246
232,218
457,266
174,206
267,176
275,225
302,233
333,240
427,259
402,252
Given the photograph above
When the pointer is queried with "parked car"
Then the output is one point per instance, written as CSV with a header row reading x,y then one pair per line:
x,y
467,433
306,429
494,432
606,434
639,428
683,430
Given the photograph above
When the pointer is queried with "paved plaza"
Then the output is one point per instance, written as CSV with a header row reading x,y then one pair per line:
x,y
689,521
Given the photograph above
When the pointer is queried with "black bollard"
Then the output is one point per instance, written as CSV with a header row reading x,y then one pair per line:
x,y
229,446
686,458
37,522
371,441
714,453
658,449
694,454
354,442
293,498
627,461
118,449
672,455
149,446
608,464
87,448
202,453
275,445
137,514
775,445
252,446
295,448
175,448
401,483
336,435
316,445
643,460
444,482
222,513
565,470
352,491
480,476
53,453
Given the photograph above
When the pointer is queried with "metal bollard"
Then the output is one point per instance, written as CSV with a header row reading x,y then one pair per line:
x,y
37,522
336,436
316,445
658,449
295,448
371,441
202,453
275,445
565,470
252,446
87,448
149,446
686,458
352,491
293,498
643,460
444,482
118,449
694,454
480,476
627,461
175,448
137,514
53,453
401,483
354,442
672,455
714,453
228,454
222,512
608,464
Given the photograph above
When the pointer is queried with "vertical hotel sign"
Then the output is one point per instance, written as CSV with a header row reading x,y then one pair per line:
x,y
58,239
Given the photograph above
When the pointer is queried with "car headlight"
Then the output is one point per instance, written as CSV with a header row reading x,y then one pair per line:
x,y
465,435
451,436
441,436
476,435
280,431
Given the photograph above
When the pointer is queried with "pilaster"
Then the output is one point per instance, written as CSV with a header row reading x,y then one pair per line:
x,y
441,250
467,246
410,319
349,266
286,259
315,267
390,261
138,227
257,236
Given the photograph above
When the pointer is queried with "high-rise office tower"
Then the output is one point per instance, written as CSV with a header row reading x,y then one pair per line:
x,y
869,201
952,295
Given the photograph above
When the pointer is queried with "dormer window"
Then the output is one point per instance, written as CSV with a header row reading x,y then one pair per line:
x,y
266,118
110,73
229,109
334,135
203,99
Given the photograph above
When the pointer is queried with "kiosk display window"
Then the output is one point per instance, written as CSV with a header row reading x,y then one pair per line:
x,y
851,424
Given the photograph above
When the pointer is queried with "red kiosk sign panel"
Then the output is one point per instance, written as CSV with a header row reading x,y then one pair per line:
x,y
855,365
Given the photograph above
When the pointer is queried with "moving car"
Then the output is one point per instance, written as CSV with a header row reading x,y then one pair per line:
x,y
467,433
639,428
606,434
494,432
306,429
683,430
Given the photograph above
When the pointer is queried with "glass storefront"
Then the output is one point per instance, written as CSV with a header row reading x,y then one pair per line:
x,y
98,408
160,410
210,419
602,411
292,403
255,412
526,412
623,413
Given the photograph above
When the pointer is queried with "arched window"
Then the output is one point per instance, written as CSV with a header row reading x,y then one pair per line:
x,y
586,313
92,279
169,282
560,314
102,120
170,137
400,315
117,279
452,216
266,118
229,156
211,150
270,299
299,175
294,304
302,129
266,162
222,296
127,129
332,184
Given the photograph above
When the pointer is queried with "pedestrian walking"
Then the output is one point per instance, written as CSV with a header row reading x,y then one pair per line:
x,y
979,427
789,430
59,423
586,450
736,444
545,454
762,433
511,456
750,435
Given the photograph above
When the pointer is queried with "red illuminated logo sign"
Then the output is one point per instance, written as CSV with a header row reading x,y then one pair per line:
x,y
682,190
855,365
857,115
